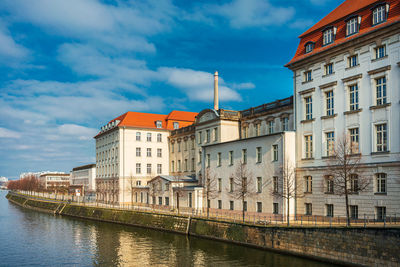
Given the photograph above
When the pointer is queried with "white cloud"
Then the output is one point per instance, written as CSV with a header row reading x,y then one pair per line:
x,y
197,85
78,131
6,133
9,49
243,86
301,24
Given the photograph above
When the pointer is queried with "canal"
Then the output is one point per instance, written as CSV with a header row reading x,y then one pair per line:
x,y
30,238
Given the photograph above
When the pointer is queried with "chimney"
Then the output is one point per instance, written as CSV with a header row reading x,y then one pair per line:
x,y
216,90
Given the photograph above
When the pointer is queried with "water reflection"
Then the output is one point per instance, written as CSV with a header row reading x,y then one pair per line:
x,y
32,238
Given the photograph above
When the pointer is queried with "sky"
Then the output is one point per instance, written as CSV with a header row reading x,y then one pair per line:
x,y
68,67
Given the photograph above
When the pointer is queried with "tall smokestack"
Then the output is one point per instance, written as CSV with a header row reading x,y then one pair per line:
x,y
216,90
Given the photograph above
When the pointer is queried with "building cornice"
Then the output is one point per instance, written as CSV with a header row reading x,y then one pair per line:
x,y
307,91
351,78
388,67
326,85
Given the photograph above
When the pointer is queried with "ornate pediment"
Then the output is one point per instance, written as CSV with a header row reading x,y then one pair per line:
x,y
206,115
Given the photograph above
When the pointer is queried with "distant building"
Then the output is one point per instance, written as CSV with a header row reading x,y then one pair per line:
x,y
84,178
3,182
54,181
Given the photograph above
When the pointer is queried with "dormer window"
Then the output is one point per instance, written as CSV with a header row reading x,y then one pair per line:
x,y
379,14
159,124
328,36
352,26
309,47
176,125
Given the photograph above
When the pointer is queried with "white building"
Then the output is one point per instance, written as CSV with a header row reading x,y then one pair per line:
x,y
84,176
347,79
132,149
54,181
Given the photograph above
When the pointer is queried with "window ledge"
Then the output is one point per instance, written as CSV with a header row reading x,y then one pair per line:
x,y
378,59
355,155
328,116
307,159
352,111
380,106
352,67
329,193
380,194
307,81
380,153
306,121
307,193
327,75
328,157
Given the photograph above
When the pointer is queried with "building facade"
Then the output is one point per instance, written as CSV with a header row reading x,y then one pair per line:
x,y
57,182
347,79
85,177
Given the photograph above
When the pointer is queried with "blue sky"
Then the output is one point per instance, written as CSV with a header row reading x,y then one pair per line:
x,y
70,66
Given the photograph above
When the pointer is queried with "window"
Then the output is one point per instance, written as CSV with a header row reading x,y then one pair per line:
x,y
231,205
219,184
176,125
271,125
353,61
215,134
354,183
193,144
380,91
179,166
230,156
138,152
148,137
159,152
353,212
381,182
308,184
285,124
381,213
330,143
172,145
200,156
185,145
275,184
159,168
329,103
309,47
379,15
307,76
354,136
244,184
219,159
352,26
186,165
245,205
208,136
259,184
231,185
159,200
259,207
245,132
257,129
329,69
199,137
308,102
353,91
148,153
172,166
275,151
166,201
329,210
159,124
159,137
137,136
179,146
192,164
308,146
308,207
167,187
380,52
329,184
259,155
244,156
190,200
208,160
381,137
149,168
328,36
138,183
219,204
138,168
275,208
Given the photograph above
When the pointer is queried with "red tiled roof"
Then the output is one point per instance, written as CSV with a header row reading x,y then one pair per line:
x,y
148,120
337,18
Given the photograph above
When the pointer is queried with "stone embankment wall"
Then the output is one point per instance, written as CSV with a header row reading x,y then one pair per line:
x,y
357,246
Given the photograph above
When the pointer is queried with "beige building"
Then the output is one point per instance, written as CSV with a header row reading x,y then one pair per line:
x,y
347,79
54,181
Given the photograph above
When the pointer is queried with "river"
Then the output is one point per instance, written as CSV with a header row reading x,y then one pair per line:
x,y
30,238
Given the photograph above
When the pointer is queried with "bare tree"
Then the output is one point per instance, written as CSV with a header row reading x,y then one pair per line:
x,y
210,188
178,189
243,185
345,170
290,188
153,190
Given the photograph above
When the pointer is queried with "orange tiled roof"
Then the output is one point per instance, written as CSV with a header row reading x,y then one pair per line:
x,y
337,18
182,115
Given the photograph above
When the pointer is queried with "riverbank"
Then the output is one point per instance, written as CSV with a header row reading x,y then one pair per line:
x,y
357,246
